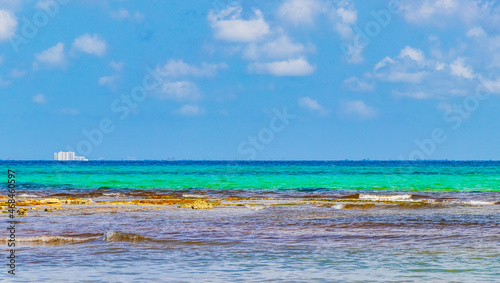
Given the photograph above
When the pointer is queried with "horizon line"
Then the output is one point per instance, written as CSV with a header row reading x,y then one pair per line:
x,y
244,160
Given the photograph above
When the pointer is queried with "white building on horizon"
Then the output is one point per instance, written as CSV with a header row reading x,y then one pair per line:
x,y
68,156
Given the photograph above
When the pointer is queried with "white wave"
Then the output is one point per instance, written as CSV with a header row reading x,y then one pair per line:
x,y
193,196
52,239
479,202
338,206
385,197
255,207
27,196
112,194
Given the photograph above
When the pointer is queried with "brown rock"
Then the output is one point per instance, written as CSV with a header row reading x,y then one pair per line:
x,y
199,204
50,201
79,201
22,211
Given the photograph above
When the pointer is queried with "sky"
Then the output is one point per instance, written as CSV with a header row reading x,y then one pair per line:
x,y
259,80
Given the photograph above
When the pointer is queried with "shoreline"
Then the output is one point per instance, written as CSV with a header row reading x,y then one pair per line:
x,y
414,236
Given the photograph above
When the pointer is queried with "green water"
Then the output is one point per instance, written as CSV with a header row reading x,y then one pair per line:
x,y
345,175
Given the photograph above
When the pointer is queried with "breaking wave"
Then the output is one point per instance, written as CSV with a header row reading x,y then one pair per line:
x,y
53,239
385,197
109,236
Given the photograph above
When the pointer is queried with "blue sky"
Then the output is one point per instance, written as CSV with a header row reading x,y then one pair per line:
x,y
289,79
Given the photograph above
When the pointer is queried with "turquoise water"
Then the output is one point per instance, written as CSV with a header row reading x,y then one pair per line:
x,y
453,237
344,175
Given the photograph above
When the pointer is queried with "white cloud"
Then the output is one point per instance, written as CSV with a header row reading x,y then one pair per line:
x,y
475,32
123,14
182,90
440,66
311,104
490,85
355,84
485,47
409,66
39,98
90,44
300,12
305,12
117,66
341,14
358,109
291,67
282,47
271,52
229,25
445,107
120,14
190,110
109,81
52,57
179,91
414,54
444,12
459,69
344,18
383,63
106,80
347,15
353,53
177,68
8,25
427,77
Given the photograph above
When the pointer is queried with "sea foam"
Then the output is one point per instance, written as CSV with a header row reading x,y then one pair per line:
x,y
385,197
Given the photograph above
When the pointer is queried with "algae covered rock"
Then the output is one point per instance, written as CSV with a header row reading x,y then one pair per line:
x,y
50,201
199,204
79,201
22,211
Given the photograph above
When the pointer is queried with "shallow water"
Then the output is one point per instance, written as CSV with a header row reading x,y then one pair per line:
x,y
290,231
282,242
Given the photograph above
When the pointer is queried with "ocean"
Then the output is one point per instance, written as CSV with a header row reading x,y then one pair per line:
x,y
287,221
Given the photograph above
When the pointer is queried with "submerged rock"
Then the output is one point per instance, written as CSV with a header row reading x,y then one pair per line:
x,y
79,201
199,204
50,201
22,211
